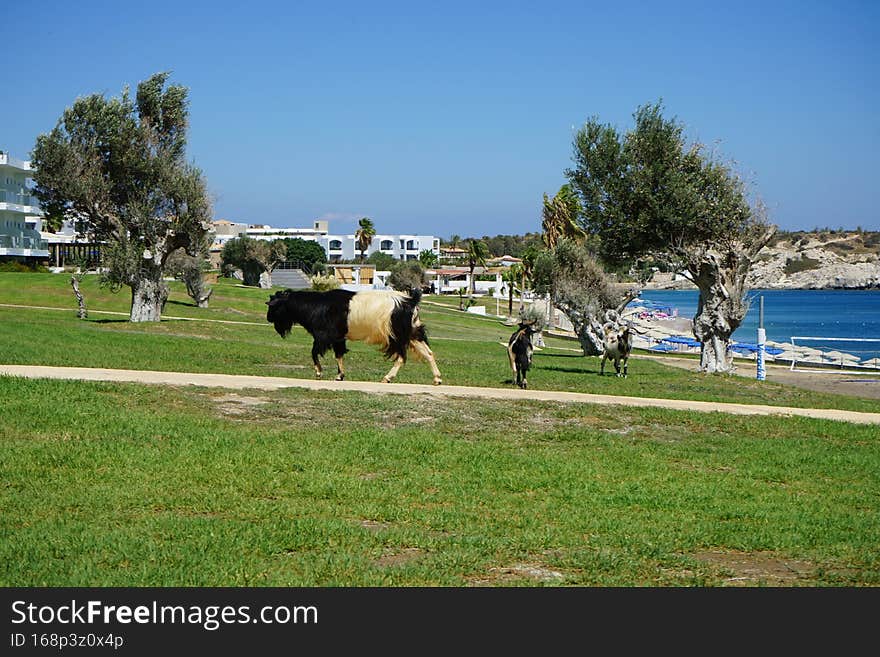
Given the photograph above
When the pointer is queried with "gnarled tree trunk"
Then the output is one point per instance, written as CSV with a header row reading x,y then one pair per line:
x,y
81,312
588,320
148,295
721,278
721,308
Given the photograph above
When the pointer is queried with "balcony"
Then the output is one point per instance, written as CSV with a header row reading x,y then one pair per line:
x,y
23,200
23,243
22,240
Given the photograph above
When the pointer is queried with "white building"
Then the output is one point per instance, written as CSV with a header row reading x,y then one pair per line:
x,y
337,247
20,215
399,247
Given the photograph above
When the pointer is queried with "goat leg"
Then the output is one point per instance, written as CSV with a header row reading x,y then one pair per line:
x,y
424,351
339,350
398,363
315,359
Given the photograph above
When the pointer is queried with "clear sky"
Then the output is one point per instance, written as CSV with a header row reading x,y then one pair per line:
x,y
454,118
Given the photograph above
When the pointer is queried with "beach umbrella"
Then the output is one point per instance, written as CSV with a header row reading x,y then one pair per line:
x,y
871,362
681,339
662,347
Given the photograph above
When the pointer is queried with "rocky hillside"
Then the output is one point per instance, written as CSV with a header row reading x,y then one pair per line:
x,y
819,260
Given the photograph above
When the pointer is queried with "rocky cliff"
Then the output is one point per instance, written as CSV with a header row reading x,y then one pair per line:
x,y
824,260
817,260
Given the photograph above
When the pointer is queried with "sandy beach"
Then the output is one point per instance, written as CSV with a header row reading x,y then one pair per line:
x,y
659,332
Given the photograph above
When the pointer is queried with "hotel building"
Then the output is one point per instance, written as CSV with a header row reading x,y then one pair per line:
x,y
20,215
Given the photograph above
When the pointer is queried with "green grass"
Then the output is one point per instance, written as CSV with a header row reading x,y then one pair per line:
x,y
233,337
128,485
135,485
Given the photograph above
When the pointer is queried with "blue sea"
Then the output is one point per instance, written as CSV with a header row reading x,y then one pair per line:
x,y
787,313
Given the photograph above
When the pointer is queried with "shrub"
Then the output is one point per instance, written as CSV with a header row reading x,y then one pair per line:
x,y
323,283
16,267
795,265
406,276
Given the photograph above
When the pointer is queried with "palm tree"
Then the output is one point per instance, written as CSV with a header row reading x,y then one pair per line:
x,y
528,264
477,253
559,218
511,276
364,235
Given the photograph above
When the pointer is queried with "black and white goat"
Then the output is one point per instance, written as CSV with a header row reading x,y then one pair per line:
x,y
617,343
519,350
384,318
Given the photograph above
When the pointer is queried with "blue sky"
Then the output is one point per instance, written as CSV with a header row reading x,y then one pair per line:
x,y
452,117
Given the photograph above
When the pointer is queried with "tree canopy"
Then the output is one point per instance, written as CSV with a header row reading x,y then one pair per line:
x,y
117,167
307,253
649,192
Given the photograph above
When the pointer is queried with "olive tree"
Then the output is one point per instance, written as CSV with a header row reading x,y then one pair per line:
x,y
578,285
648,193
118,167
406,276
255,258
191,272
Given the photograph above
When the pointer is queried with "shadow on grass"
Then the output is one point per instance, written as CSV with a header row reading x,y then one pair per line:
x,y
109,321
569,370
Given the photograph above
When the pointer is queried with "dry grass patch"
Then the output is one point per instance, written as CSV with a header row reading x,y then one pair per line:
x,y
749,568
398,557
530,572
233,404
374,525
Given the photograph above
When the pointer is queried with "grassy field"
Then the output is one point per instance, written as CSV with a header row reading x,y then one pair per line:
x,y
233,337
134,485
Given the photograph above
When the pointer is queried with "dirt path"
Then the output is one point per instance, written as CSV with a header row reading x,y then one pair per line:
x,y
239,381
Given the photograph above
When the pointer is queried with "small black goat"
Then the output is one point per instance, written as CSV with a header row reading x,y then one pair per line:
x,y
388,319
617,347
519,350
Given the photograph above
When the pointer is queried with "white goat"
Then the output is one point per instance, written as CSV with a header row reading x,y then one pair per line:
x,y
617,347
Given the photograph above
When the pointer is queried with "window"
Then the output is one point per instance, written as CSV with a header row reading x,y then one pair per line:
x,y
410,245
335,245
386,245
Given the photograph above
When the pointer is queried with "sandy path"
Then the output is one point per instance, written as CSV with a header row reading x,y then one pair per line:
x,y
239,381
